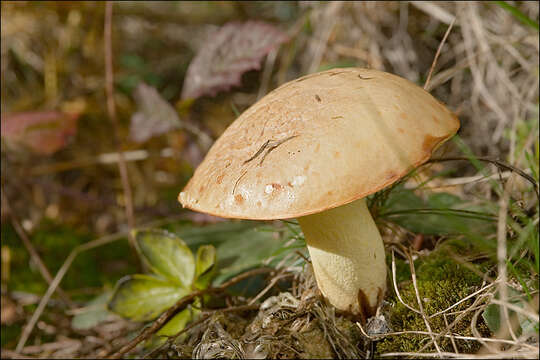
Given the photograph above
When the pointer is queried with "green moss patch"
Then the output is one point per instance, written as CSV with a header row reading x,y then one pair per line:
x,y
442,282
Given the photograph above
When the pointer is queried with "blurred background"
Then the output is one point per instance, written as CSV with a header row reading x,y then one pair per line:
x,y
181,73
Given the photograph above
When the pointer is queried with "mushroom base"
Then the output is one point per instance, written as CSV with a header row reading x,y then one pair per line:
x,y
348,257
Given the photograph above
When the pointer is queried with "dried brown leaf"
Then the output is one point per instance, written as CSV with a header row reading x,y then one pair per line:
x,y
234,49
155,116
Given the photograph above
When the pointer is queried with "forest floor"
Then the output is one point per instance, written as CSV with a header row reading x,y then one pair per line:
x,y
85,161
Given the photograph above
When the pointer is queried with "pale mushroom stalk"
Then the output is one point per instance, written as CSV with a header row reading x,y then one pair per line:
x,y
347,255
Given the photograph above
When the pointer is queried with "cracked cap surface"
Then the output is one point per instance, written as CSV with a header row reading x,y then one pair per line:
x,y
318,142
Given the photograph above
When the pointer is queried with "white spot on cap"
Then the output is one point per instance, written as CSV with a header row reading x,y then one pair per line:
x,y
268,189
298,180
183,198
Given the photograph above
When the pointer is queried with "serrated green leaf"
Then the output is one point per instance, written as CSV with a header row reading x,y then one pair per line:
x,y
205,265
167,255
144,297
93,313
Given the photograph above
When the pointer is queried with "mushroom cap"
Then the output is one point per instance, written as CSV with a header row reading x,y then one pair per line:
x,y
319,142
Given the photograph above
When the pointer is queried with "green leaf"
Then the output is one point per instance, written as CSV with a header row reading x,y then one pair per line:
x,y
177,323
240,245
492,317
144,297
492,314
205,266
93,313
167,255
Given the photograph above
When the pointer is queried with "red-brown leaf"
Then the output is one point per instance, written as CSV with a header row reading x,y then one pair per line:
x,y
44,132
230,52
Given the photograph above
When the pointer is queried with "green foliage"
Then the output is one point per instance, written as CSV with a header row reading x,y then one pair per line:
x,y
94,313
205,266
176,274
492,314
240,245
144,297
90,269
167,255
438,214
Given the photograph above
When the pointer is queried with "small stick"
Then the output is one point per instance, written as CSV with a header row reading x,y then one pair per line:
x,y
498,163
420,304
394,282
240,308
111,109
30,248
56,281
64,268
179,306
438,53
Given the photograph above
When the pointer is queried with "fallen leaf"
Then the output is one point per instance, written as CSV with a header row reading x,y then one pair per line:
x,y
44,132
234,49
155,116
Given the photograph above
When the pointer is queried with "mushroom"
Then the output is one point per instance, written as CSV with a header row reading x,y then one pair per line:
x,y
313,149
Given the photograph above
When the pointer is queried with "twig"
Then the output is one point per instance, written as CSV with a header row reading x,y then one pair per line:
x,y
56,281
268,287
454,323
501,355
451,335
498,163
394,282
420,304
111,109
464,299
105,158
438,53
30,248
501,258
530,314
459,337
153,353
179,306
435,11
63,269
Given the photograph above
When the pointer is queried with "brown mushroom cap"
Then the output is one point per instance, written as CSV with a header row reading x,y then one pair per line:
x,y
319,142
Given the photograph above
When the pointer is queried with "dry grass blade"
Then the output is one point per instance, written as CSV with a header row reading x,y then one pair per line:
x,y
394,282
434,63
420,304
56,281
111,109
500,355
31,250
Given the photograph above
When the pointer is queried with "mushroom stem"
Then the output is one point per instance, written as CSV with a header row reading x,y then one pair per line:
x,y
348,259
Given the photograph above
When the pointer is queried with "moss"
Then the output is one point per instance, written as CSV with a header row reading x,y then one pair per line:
x,y
54,242
441,283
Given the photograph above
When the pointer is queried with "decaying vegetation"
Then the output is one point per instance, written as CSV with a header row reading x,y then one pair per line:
x,y
106,135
